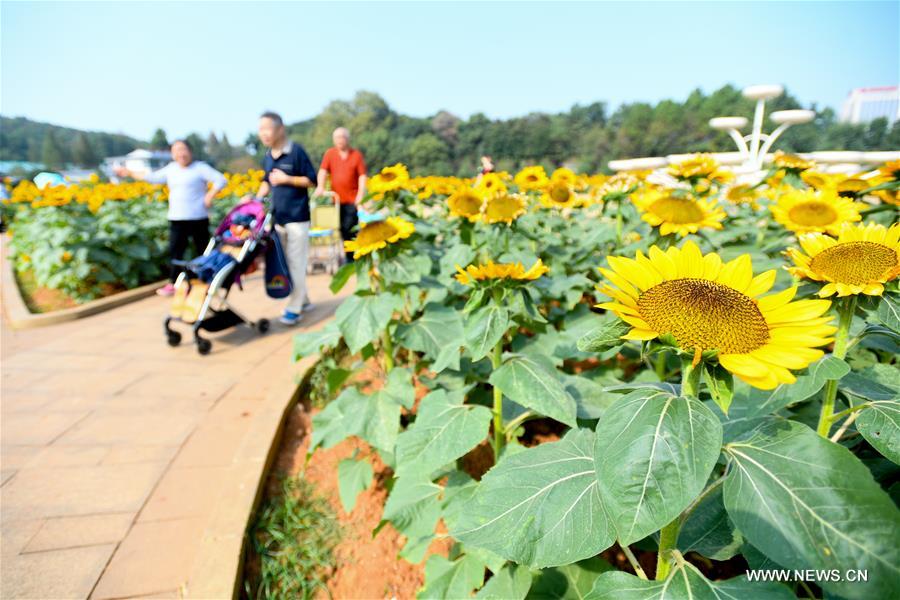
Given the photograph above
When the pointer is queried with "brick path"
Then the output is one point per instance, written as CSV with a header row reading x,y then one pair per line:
x,y
125,463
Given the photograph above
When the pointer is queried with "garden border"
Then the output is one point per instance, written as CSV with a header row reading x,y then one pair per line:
x,y
19,317
223,546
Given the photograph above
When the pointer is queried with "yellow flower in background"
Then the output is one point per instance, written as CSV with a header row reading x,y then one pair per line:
x,y
706,304
891,170
491,183
465,203
743,193
495,271
698,165
503,208
625,182
564,175
678,214
559,194
888,196
66,256
806,211
846,186
791,162
860,261
390,179
379,234
531,178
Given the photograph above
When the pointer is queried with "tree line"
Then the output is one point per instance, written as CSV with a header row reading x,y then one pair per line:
x,y
586,137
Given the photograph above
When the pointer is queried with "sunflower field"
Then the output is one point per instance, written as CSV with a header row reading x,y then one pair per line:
x,y
79,238
692,373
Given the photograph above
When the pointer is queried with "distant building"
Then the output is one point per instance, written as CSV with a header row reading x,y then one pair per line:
x,y
865,104
138,161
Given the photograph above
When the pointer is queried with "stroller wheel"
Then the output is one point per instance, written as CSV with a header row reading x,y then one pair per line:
x,y
262,325
173,337
204,346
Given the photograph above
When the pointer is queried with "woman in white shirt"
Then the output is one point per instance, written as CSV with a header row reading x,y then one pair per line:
x,y
189,198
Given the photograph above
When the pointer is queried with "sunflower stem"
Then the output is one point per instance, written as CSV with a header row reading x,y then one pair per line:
x,y
638,570
660,365
499,433
668,536
845,308
388,350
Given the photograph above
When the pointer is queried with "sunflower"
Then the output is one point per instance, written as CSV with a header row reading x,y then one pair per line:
x,y
378,234
706,304
464,202
678,214
846,186
559,194
531,178
491,183
791,162
390,179
806,211
743,193
565,175
500,271
891,170
698,165
860,261
503,208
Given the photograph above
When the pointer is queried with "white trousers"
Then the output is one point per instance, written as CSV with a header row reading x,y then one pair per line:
x,y
294,239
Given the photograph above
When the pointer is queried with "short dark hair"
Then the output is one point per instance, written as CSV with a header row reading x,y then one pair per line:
x,y
273,116
185,142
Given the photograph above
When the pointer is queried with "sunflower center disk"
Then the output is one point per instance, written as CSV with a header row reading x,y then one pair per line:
x,y
854,263
704,314
560,193
375,232
677,210
813,214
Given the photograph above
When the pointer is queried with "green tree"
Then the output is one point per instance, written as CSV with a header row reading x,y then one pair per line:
x,y
52,154
82,153
159,141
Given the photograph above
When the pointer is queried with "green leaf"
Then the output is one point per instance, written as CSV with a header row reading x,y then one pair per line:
x,y
707,529
606,336
653,453
445,579
540,507
889,312
866,384
438,329
405,268
511,583
484,328
719,384
329,426
444,430
311,342
591,398
684,582
354,476
528,381
568,582
808,503
362,319
341,278
880,425
414,510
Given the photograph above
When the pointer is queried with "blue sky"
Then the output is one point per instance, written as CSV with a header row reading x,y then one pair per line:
x,y
131,67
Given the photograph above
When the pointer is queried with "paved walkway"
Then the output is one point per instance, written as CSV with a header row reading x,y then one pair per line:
x,y
125,463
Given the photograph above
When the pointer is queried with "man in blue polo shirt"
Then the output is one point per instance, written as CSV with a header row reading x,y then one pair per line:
x,y
289,174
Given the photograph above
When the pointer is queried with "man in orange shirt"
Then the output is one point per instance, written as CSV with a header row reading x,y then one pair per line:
x,y
347,169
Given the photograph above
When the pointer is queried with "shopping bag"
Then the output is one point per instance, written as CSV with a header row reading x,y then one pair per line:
x,y
278,277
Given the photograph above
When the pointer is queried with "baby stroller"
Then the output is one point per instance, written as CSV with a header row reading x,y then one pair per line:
x,y
202,287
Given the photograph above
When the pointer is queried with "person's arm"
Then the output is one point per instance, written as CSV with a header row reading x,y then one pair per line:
x,y
321,178
263,191
361,171
218,182
158,176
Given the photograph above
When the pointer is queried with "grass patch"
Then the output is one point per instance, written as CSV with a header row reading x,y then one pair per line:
x,y
292,544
